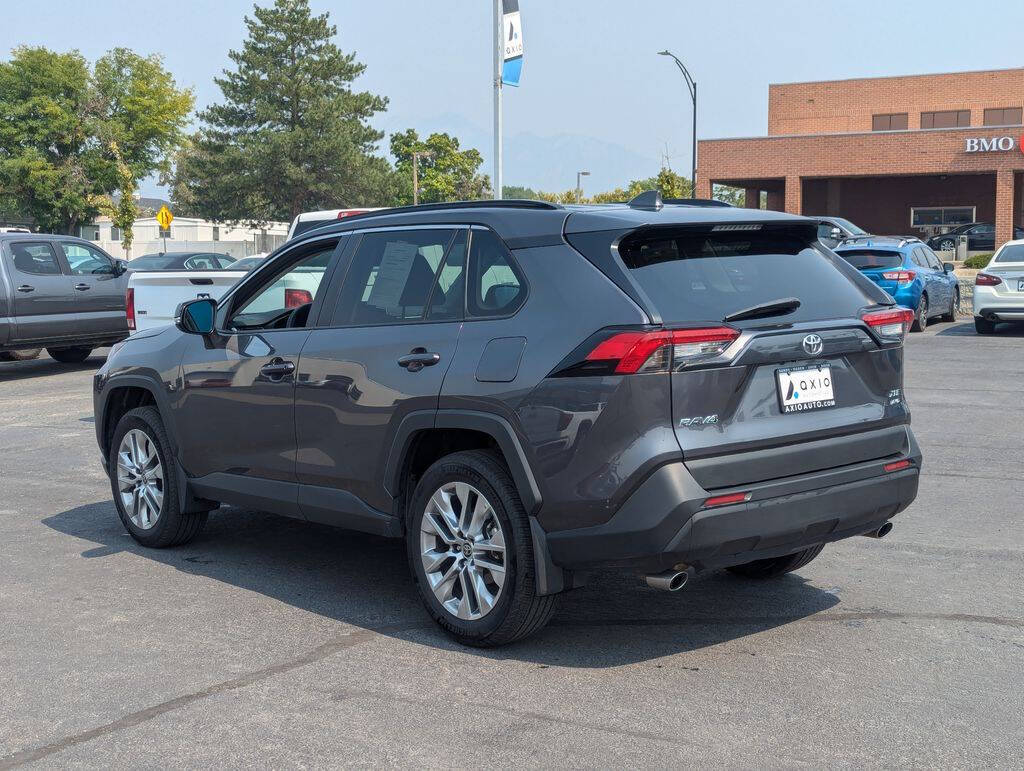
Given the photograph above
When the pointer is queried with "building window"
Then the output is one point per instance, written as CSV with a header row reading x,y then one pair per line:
x,y
115,233
933,216
1003,116
893,121
946,119
216,233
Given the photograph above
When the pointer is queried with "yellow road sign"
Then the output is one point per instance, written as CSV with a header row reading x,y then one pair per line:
x,y
164,217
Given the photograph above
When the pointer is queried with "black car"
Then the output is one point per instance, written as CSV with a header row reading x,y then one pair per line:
x,y
525,393
981,236
60,293
182,261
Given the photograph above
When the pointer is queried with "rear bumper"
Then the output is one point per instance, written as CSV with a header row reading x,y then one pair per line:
x,y
664,521
995,305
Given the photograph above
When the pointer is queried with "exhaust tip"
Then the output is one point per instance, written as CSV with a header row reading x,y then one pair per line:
x,y
881,532
669,580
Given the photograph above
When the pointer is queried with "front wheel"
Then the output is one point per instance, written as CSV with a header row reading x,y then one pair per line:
x,y
75,355
471,554
921,316
947,245
145,482
954,306
776,566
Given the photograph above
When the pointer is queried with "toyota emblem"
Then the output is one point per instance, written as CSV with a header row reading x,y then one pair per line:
x,y
813,345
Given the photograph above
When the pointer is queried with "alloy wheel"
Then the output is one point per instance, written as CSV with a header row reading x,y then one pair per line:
x,y
140,478
462,547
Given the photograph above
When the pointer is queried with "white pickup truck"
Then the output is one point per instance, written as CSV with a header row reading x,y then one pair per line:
x,y
154,296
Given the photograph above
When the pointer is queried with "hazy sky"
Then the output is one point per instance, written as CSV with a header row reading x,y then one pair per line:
x,y
591,79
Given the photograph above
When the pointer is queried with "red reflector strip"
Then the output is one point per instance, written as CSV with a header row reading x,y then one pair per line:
x,y
725,500
897,465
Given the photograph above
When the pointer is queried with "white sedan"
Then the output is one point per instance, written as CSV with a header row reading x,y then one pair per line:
x,y
999,288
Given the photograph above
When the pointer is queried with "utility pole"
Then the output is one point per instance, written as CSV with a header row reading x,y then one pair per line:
x,y
691,84
579,186
498,59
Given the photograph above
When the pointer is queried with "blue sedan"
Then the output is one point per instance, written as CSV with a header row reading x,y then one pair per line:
x,y
910,271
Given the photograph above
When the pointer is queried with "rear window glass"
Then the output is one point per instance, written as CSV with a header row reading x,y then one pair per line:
x,y
701,276
304,226
1011,253
865,259
151,262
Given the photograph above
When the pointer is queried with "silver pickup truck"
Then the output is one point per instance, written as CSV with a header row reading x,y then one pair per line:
x,y
59,293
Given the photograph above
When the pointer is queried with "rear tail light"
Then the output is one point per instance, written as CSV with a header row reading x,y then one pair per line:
x,y
900,276
295,298
898,465
129,307
890,324
725,500
984,279
634,352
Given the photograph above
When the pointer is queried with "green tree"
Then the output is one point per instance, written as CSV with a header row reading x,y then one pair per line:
x,y
446,173
290,134
71,137
729,194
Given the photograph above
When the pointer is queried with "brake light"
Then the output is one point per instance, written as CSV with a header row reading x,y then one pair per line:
x,y
349,213
129,307
658,351
295,298
900,276
725,500
984,279
891,324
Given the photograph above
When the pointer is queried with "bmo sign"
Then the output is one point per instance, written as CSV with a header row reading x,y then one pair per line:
x,y
989,144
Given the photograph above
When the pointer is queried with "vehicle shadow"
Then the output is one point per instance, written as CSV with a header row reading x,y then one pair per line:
x,y
362,580
44,366
961,329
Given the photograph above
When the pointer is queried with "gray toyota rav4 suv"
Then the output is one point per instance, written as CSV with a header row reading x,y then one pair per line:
x,y
527,392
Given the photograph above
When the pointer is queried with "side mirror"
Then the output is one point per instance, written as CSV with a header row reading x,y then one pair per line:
x,y
196,316
836,233
948,267
120,267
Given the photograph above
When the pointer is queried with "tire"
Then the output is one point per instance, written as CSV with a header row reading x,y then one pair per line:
x,y
947,245
490,617
20,355
954,304
984,326
776,566
921,315
75,355
171,526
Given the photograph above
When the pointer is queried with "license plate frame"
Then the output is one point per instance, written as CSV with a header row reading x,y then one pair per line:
x,y
817,384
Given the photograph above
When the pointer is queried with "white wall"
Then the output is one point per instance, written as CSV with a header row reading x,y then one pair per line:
x,y
188,234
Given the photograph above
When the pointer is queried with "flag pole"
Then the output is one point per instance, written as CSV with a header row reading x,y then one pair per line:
x,y
498,60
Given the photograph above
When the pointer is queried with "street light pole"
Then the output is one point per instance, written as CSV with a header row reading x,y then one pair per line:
x,y
498,31
579,186
692,85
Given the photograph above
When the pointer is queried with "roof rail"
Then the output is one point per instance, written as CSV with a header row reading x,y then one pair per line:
x,y
505,203
649,200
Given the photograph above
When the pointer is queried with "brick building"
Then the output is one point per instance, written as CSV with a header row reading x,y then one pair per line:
x,y
901,155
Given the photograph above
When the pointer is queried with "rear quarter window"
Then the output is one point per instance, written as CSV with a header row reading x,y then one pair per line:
x,y
701,275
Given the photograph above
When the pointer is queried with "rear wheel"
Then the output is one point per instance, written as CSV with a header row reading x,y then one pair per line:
x,y
921,315
776,566
74,355
20,355
471,554
145,483
947,245
954,306
983,326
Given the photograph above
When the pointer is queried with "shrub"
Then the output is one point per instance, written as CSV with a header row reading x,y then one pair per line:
x,y
978,261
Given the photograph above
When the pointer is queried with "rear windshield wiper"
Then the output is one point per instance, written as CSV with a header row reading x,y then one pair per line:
x,y
771,308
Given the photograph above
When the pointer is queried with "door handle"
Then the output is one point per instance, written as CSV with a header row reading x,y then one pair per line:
x,y
277,368
26,288
81,287
417,359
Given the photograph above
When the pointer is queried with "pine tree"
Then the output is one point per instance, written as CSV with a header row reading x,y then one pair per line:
x,y
290,134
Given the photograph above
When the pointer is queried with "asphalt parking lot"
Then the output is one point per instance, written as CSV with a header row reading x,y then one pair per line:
x,y
270,642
